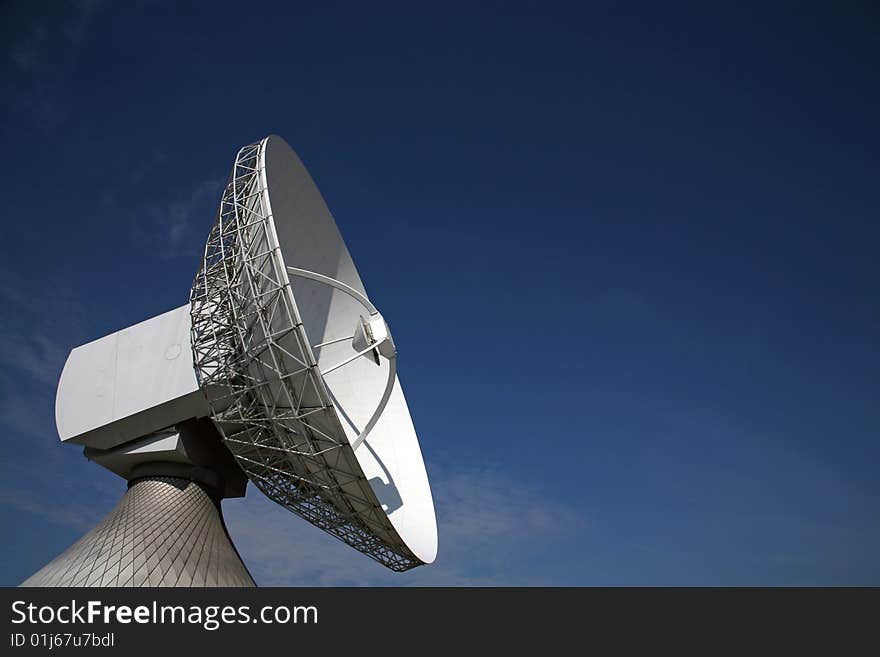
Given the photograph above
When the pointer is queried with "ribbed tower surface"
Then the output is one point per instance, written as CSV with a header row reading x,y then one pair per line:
x,y
165,531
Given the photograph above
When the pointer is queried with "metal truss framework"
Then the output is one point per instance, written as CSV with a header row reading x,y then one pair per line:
x,y
258,370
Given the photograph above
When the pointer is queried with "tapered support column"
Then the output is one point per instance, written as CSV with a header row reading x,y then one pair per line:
x,y
165,531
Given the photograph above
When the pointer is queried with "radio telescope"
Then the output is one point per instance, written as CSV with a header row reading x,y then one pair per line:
x,y
279,371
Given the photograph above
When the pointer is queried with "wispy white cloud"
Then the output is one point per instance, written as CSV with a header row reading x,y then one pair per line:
x,y
34,355
178,228
28,346
152,162
43,53
75,28
25,416
30,51
180,220
79,517
488,524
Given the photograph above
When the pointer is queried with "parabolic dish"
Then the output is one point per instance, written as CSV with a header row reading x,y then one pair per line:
x,y
298,369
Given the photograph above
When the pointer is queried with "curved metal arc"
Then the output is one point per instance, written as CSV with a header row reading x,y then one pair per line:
x,y
392,362
389,387
332,282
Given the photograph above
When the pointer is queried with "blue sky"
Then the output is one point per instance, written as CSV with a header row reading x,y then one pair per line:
x,y
629,253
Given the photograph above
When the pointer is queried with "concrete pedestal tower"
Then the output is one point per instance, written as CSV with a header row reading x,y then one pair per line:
x,y
165,531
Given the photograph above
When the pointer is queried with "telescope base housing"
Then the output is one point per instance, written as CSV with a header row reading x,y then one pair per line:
x,y
165,531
